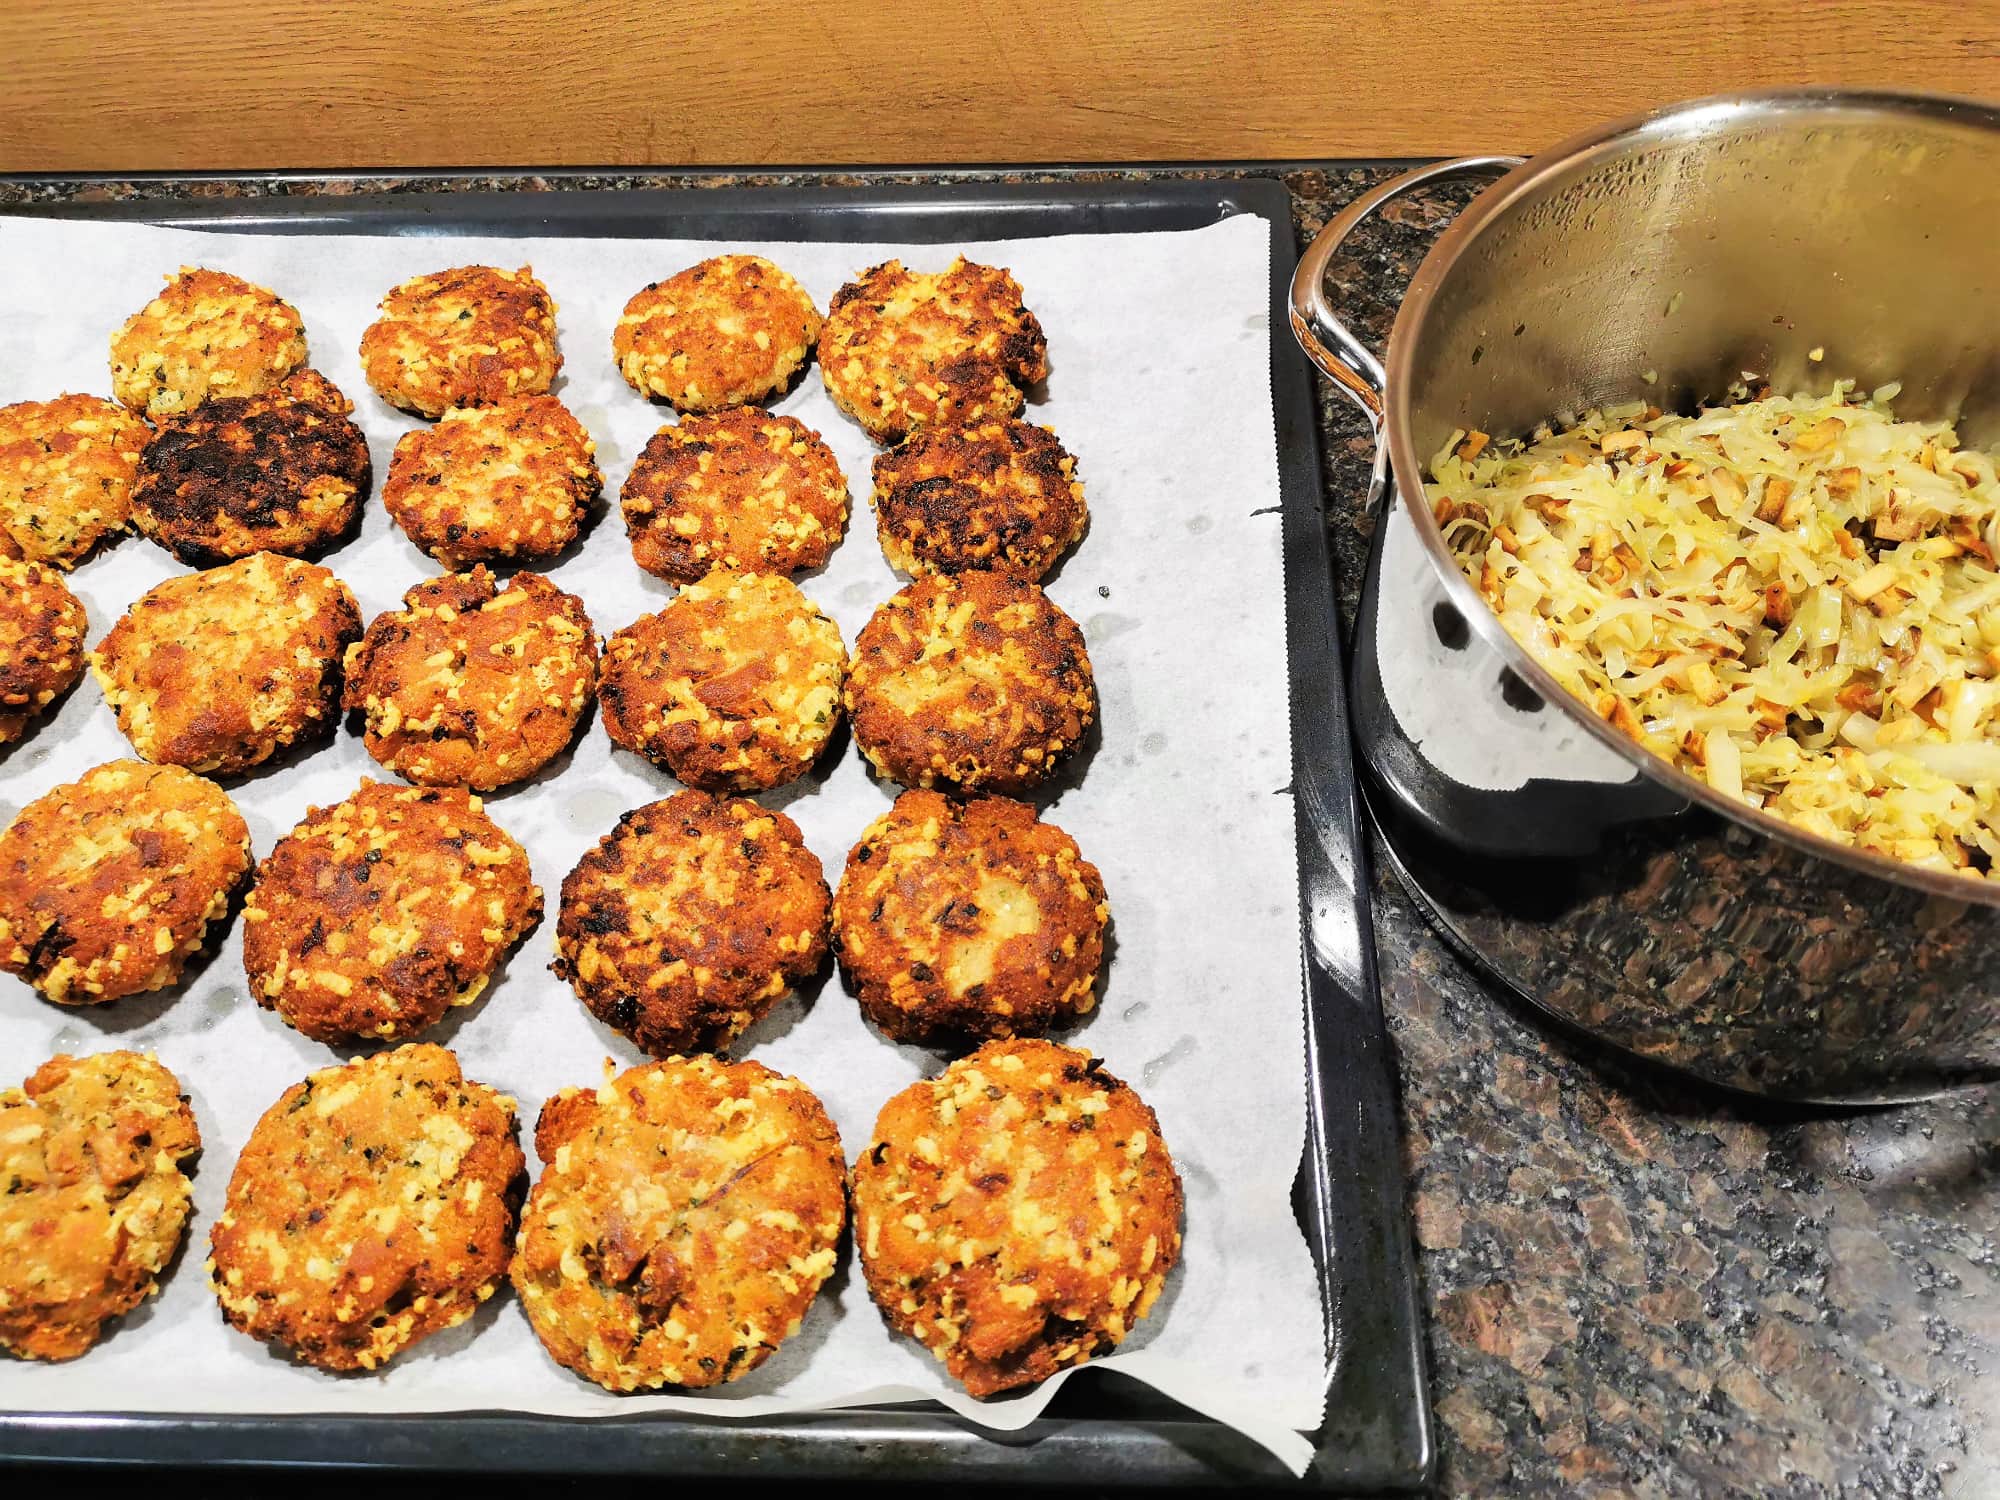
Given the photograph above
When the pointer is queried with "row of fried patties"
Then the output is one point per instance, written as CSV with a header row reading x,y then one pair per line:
x,y
1016,1214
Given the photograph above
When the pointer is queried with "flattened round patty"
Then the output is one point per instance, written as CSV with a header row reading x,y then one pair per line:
x,y
488,483
735,686
66,472
690,919
375,916
469,336
373,1206
42,627
91,1149
733,329
469,684
208,336
216,671
1002,495
108,884
974,681
285,471
968,918
901,349
740,489
1016,1214
686,1215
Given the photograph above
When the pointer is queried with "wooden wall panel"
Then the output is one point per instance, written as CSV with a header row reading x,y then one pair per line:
x,y
241,84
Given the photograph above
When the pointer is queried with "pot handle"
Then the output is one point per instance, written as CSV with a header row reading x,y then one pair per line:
x,y
1328,342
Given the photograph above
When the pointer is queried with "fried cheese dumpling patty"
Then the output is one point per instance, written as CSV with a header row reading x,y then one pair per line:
x,y
470,684
209,335
901,349
216,671
740,489
490,483
375,916
66,473
469,336
373,1206
686,1215
42,626
108,884
1002,495
1016,1214
283,471
735,686
690,920
91,1149
733,329
968,918
975,681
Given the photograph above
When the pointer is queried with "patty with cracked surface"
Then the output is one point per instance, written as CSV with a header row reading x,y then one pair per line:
x,y
208,336
468,336
731,330
42,625
1002,495
66,472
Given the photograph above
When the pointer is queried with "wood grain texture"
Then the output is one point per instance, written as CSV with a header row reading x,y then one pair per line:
x,y
267,84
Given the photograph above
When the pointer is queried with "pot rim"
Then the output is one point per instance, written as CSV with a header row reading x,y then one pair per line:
x,y
1407,464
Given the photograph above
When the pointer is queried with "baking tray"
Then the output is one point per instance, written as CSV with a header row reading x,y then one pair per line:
x,y
1102,1429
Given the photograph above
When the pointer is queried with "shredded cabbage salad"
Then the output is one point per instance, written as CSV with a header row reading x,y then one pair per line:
x,y
1794,599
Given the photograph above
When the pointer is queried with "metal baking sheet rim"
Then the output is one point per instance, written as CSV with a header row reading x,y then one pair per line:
x,y
1103,1429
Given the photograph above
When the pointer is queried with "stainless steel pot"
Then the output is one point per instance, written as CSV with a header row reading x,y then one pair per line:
x,y
1659,258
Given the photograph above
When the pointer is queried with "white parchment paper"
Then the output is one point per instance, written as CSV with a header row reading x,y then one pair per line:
x,y
1160,351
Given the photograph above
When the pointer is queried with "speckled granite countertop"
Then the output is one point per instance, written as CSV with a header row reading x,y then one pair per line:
x,y
1633,1288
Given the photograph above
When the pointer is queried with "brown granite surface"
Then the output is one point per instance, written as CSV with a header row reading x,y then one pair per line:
x,y
1634,1287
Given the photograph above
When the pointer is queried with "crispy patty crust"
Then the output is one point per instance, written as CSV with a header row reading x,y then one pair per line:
x,y
1016,1214
373,1206
375,916
470,684
1002,495
42,626
731,330
975,681
284,471
208,336
690,920
66,473
108,884
91,1149
740,489
216,671
968,918
735,686
686,1215
514,480
901,349
469,336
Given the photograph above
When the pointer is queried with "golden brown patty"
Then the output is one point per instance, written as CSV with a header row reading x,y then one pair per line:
x,y
472,685
1002,495
690,919
732,329
968,918
215,671
108,884
375,916
686,1215
285,471
513,480
902,349
735,686
975,681
470,336
1016,1214
372,1206
91,1151
209,335
42,627
66,471
740,489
